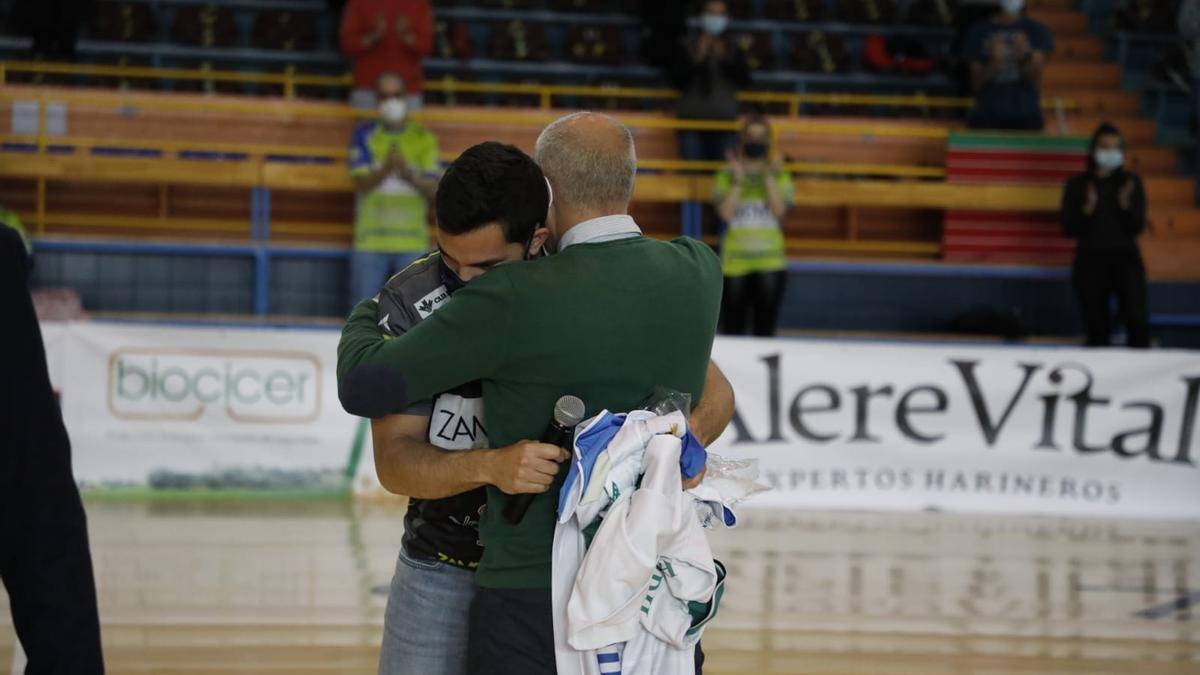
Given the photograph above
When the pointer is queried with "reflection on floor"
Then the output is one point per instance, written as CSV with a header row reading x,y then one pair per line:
x,y
268,587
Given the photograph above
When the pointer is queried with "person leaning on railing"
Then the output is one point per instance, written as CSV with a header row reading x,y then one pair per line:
x,y
752,195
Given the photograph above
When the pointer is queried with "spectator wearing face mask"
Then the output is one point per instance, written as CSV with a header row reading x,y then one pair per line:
x,y
386,36
394,165
1104,208
752,195
1008,53
709,70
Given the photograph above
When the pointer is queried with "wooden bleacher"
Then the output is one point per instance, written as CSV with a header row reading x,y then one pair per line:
x,y
869,212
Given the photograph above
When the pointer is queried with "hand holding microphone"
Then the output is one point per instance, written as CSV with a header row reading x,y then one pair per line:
x,y
537,464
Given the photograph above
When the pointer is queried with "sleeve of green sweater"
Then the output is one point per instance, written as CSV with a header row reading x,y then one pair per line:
x,y
465,340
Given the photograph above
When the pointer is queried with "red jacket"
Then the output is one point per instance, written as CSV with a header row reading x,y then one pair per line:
x,y
389,53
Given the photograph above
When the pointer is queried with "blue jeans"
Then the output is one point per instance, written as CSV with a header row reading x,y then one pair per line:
x,y
370,271
425,625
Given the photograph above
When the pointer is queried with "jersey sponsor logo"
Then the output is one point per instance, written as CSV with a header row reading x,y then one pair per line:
x,y
432,302
457,423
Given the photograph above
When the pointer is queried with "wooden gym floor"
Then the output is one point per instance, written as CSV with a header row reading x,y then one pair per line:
x,y
270,587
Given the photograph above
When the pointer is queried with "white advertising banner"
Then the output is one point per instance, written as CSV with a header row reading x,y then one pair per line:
x,y
204,408
1007,429
848,425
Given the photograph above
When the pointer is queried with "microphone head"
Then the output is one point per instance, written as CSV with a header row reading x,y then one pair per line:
x,y
569,411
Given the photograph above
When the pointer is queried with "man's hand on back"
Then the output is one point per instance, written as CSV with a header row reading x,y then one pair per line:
x,y
524,467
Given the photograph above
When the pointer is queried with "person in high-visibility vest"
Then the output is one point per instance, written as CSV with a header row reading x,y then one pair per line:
x,y
394,165
752,195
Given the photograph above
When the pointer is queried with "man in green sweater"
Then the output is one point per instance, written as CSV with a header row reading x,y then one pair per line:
x,y
610,317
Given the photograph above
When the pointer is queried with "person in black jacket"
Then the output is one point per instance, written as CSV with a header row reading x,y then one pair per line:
x,y
44,558
1104,208
709,70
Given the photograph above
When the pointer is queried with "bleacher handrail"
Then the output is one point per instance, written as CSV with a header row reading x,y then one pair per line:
x,y
200,104
256,151
545,92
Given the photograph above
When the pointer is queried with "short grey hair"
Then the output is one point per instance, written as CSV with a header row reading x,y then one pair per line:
x,y
588,167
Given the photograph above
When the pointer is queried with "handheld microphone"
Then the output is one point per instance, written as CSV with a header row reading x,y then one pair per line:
x,y
568,412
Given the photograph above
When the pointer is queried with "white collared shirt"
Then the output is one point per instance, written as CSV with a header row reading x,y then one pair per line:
x,y
600,230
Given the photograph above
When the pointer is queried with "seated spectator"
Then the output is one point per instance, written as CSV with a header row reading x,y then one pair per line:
x,y
1007,54
204,26
517,40
124,22
752,194
1104,208
394,164
596,45
391,36
709,70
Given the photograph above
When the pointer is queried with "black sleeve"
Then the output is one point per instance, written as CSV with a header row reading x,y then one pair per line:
x,y
1074,221
1133,219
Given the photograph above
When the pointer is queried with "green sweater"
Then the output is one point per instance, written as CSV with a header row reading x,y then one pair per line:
x,y
606,322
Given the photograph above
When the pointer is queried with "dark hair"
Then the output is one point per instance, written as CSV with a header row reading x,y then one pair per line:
x,y
493,183
1105,129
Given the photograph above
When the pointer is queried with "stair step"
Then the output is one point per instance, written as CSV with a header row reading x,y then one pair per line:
x,y
1078,47
1135,129
1097,100
1171,257
1174,222
1164,191
1069,75
1152,160
1062,22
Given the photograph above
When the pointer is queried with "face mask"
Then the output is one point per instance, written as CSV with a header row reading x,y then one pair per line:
x,y
714,24
393,110
1109,159
754,150
450,280
1012,6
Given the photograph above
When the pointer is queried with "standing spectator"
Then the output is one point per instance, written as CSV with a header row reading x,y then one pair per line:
x,y
1008,53
394,164
752,195
1189,30
709,70
386,36
1105,209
